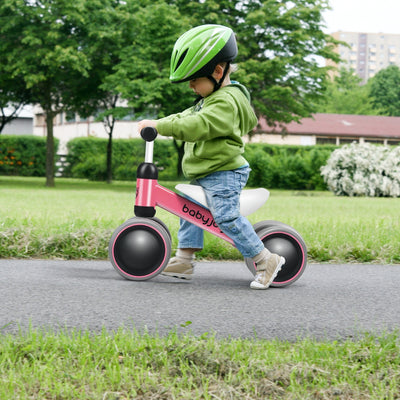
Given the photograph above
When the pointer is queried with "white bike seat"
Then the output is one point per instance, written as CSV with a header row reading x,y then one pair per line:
x,y
250,199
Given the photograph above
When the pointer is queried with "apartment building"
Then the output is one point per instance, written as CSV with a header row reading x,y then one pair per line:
x,y
368,53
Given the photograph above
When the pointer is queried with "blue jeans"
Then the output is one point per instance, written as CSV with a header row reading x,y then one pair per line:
x,y
222,189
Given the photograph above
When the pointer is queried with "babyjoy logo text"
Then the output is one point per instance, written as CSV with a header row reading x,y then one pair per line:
x,y
198,215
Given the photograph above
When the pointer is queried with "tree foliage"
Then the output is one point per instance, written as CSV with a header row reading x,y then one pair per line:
x,y
41,45
346,95
278,42
142,74
385,91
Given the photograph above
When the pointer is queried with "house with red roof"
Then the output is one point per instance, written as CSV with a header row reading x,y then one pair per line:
x,y
333,129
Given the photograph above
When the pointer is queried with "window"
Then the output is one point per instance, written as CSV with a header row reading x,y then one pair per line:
x,y
326,140
39,120
377,141
348,140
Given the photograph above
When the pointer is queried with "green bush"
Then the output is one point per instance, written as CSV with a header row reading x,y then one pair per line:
x,y
273,166
23,155
87,158
286,166
92,168
79,151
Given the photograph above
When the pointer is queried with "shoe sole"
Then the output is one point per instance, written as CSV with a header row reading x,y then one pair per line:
x,y
259,286
186,277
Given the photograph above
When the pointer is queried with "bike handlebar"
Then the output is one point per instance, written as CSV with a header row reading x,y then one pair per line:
x,y
149,134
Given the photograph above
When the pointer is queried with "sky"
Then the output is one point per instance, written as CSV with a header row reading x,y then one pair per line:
x,y
367,16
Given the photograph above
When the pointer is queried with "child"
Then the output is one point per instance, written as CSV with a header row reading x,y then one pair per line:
x,y
212,131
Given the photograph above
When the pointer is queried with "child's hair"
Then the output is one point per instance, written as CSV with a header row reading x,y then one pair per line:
x,y
232,67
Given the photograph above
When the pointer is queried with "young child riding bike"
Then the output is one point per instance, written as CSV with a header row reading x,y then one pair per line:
x,y
212,130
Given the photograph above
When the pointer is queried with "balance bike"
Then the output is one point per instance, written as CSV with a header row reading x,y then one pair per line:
x,y
140,248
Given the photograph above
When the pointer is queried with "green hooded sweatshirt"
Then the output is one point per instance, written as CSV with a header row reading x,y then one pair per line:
x,y
212,131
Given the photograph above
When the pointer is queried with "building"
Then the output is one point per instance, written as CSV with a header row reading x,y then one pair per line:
x,y
334,129
69,126
368,53
22,125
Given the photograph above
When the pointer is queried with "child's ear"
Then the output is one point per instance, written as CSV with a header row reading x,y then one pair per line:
x,y
218,72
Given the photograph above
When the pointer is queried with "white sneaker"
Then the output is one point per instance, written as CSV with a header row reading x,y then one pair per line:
x,y
264,278
179,268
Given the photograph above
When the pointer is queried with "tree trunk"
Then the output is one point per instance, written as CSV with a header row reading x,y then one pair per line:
x,y
109,158
109,124
49,149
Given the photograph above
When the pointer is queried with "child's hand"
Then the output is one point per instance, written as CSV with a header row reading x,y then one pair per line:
x,y
147,123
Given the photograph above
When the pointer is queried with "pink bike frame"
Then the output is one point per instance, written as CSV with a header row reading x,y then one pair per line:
x,y
150,194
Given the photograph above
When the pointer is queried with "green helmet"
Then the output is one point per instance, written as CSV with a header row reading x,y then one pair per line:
x,y
198,51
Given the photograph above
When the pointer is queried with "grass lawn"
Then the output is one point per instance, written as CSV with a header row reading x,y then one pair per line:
x,y
125,365
76,219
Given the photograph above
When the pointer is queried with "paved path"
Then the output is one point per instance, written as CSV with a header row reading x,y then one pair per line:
x,y
328,301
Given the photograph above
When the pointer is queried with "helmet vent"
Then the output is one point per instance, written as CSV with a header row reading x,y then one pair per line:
x,y
182,57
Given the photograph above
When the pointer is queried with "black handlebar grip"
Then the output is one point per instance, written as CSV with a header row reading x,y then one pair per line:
x,y
148,134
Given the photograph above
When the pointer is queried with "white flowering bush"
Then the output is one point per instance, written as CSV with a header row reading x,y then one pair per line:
x,y
363,170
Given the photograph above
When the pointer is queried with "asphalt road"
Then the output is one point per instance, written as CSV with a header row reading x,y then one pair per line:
x,y
327,302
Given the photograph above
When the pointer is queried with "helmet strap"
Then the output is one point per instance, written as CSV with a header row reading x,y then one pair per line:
x,y
197,100
217,84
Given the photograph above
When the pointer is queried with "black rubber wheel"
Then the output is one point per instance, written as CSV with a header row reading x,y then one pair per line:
x,y
268,223
140,248
155,219
287,242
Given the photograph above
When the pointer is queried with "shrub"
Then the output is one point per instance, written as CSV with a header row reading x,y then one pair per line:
x,y
273,166
364,170
263,170
23,155
80,150
287,167
87,158
92,168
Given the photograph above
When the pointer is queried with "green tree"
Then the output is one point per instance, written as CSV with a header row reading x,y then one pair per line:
x,y
76,55
277,41
385,91
346,95
278,44
280,65
142,75
107,35
41,43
